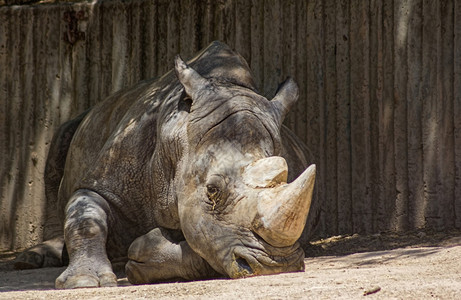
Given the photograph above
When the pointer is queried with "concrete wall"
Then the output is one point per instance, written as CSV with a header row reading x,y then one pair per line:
x,y
380,93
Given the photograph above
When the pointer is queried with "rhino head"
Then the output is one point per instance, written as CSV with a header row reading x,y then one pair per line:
x,y
236,209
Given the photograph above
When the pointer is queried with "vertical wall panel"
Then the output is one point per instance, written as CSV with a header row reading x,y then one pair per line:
x,y
149,39
188,19
414,118
343,77
456,207
94,42
386,121
162,29
430,126
104,45
272,47
446,153
288,46
360,115
300,111
257,42
78,63
135,21
6,200
314,95
330,184
379,101
242,27
401,17
172,32
375,64
24,120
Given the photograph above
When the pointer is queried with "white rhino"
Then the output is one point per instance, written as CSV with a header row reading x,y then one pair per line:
x,y
185,176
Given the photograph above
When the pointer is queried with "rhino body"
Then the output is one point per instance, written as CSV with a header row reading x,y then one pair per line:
x,y
183,176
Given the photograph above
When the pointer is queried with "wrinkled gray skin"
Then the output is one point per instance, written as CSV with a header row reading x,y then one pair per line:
x,y
153,173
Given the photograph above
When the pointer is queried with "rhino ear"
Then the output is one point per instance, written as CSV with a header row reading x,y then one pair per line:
x,y
189,78
287,95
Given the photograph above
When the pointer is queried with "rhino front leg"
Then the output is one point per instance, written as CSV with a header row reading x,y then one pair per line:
x,y
157,256
85,234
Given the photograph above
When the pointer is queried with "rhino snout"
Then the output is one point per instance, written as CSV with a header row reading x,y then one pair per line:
x,y
248,262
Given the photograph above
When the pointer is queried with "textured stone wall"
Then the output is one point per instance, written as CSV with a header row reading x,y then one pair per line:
x,y
380,93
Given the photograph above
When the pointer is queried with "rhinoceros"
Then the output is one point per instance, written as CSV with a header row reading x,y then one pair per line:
x,y
188,176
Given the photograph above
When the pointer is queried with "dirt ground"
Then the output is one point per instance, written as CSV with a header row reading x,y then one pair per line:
x,y
416,265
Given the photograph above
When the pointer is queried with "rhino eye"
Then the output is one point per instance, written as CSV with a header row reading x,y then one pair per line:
x,y
212,191
213,194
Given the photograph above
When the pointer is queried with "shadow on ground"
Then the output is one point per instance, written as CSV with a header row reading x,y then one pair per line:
x,y
348,244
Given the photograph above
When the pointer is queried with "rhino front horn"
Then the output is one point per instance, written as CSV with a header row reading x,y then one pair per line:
x,y
283,210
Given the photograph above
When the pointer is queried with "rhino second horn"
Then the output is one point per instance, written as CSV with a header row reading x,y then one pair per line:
x,y
266,172
283,210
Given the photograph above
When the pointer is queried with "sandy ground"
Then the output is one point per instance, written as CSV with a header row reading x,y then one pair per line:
x,y
385,266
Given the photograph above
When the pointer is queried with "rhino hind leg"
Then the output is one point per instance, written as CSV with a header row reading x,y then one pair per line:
x,y
160,256
54,171
46,254
49,253
85,231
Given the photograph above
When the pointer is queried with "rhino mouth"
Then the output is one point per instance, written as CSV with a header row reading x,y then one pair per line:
x,y
250,261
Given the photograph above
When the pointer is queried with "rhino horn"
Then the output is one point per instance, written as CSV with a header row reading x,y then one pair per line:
x,y
189,78
282,209
287,95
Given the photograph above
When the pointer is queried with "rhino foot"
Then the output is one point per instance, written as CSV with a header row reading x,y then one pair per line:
x,y
46,254
86,276
160,256
85,231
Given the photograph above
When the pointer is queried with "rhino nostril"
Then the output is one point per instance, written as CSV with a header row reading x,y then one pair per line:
x,y
244,265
